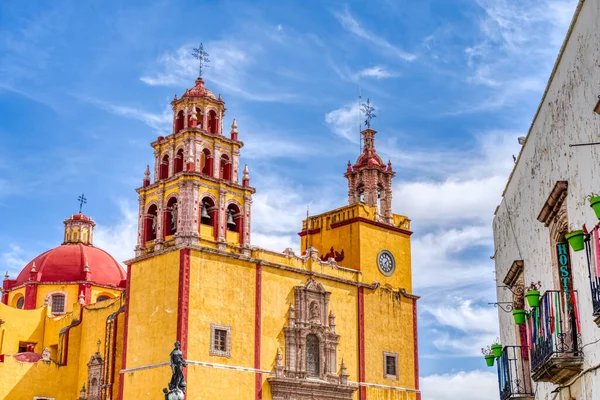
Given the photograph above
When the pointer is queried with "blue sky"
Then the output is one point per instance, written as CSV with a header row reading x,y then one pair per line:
x,y
84,89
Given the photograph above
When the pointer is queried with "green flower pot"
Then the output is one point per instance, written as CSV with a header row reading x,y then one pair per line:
x,y
595,203
519,316
489,359
497,349
533,298
575,239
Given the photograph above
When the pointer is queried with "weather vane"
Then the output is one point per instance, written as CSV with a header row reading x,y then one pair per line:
x,y
202,57
368,109
82,201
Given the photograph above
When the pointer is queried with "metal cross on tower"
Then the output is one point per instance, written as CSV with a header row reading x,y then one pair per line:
x,y
368,110
82,201
202,57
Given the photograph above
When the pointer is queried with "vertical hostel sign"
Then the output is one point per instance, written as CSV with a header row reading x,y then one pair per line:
x,y
564,270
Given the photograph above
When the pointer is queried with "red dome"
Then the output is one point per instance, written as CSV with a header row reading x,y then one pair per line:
x,y
199,90
66,263
369,159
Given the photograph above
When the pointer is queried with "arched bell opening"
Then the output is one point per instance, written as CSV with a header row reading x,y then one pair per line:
x,y
199,117
179,121
151,223
207,162
225,168
164,167
208,217
234,219
178,162
212,121
360,194
170,217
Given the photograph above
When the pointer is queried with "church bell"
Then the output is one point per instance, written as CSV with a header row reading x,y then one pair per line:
x,y
205,211
230,220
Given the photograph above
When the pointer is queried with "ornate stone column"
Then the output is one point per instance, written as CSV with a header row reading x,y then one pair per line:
x,y
222,215
245,241
217,162
141,223
235,166
158,242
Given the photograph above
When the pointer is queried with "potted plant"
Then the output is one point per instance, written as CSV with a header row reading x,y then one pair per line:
x,y
595,203
497,348
488,354
533,294
575,239
519,316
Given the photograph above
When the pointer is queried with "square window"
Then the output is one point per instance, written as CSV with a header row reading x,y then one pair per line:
x,y
58,304
220,340
390,365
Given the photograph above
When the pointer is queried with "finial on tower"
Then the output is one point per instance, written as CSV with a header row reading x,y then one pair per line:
x,y
246,178
147,176
202,57
234,130
369,112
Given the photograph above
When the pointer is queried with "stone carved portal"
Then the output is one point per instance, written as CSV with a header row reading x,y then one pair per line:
x,y
95,377
311,342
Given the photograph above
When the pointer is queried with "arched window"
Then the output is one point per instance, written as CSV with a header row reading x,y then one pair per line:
x,y
151,223
313,367
102,298
178,162
58,303
200,117
234,218
164,167
179,121
170,220
207,162
20,302
225,168
360,194
213,121
209,214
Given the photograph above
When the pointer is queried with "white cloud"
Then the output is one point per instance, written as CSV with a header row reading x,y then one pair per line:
x,y
231,69
474,385
377,72
352,25
161,123
14,260
119,239
345,121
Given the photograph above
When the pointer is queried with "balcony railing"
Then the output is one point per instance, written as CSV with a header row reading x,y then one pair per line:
x,y
513,373
555,337
592,252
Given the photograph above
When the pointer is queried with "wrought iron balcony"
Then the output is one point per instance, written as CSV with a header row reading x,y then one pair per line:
x,y
555,336
514,373
592,253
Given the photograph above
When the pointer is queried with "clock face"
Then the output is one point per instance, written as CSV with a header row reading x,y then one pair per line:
x,y
386,262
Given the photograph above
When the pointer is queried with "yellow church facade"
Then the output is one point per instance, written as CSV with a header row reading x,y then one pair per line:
x,y
337,321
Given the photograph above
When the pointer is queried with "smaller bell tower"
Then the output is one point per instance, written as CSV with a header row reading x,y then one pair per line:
x,y
370,180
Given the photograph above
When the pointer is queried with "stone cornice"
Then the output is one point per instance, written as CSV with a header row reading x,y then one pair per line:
x,y
370,222
253,260
553,203
219,183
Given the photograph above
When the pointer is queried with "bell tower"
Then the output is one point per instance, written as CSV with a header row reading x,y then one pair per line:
x,y
370,180
195,196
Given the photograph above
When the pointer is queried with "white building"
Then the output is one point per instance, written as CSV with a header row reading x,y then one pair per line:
x,y
556,353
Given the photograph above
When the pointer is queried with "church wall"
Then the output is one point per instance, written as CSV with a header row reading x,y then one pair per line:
x,y
20,325
118,355
71,291
372,240
222,292
389,328
99,291
153,305
14,295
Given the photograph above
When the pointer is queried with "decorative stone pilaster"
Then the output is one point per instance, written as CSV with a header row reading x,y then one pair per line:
x,y
217,162
245,241
158,242
235,166
222,215
156,165
186,118
220,125
141,219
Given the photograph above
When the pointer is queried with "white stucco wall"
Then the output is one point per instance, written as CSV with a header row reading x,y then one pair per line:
x,y
565,117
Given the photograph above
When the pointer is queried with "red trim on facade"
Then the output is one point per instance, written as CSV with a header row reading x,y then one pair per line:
x,y
5,297
370,222
416,347
184,302
30,296
258,332
125,333
310,232
361,343
68,334
87,292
